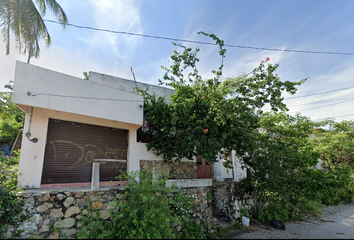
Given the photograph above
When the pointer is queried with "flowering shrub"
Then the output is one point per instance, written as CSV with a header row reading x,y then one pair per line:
x,y
8,172
8,177
182,203
204,114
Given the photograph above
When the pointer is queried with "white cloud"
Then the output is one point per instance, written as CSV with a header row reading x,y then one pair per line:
x,y
115,15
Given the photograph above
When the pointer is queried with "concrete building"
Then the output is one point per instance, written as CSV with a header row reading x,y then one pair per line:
x,y
71,123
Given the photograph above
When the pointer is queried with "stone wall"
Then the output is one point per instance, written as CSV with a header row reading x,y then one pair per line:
x,y
61,209
177,170
229,199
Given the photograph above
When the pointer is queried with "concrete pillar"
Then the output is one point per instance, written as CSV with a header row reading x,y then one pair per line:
x,y
32,157
95,180
234,170
217,169
155,174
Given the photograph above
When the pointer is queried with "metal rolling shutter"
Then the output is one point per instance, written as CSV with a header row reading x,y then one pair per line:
x,y
71,148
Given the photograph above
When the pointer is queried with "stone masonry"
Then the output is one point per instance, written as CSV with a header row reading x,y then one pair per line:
x,y
177,170
61,209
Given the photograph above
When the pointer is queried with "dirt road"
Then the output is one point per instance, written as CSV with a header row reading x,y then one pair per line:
x,y
334,222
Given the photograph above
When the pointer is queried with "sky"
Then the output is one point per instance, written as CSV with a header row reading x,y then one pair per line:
x,y
317,25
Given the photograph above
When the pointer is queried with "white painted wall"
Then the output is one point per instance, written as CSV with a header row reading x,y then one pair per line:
x,y
129,85
32,154
56,91
239,173
221,172
46,100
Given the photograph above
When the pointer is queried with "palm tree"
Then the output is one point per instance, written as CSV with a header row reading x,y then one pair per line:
x,y
24,20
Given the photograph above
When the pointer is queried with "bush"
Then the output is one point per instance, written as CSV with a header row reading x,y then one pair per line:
x,y
328,187
11,208
309,192
11,213
8,177
148,209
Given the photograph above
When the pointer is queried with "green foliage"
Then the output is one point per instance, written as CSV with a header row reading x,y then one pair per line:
x,y
11,208
210,195
24,20
206,115
181,203
11,117
11,213
335,142
8,177
280,153
144,211
328,187
93,227
282,172
191,230
148,209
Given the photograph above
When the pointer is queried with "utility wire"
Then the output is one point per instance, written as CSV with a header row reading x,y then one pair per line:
x,y
200,42
321,101
340,89
336,116
93,98
326,105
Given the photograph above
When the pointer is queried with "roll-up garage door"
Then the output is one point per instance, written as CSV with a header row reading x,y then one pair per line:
x,y
72,147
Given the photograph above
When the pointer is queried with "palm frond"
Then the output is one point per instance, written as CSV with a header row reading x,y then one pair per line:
x,y
22,18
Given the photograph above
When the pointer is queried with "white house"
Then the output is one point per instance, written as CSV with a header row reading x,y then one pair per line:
x,y
71,123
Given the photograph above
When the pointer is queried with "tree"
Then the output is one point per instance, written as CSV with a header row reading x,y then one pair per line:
x,y
11,117
334,142
24,20
206,115
86,75
280,155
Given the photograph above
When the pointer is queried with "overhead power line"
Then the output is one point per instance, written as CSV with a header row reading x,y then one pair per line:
x,y
326,105
335,90
336,116
321,101
200,42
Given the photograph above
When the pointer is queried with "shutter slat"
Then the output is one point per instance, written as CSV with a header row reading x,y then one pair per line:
x,y
71,148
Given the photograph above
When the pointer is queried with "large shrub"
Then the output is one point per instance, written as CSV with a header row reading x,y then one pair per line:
x,y
147,210
11,208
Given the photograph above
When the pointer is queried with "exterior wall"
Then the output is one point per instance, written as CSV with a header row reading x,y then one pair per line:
x,y
44,94
236,174
239,173
228,200
43,88
176,170
32,154
129,85
62,208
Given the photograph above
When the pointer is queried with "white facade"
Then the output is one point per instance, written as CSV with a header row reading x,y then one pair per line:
x,y
102,100
44,94
236,173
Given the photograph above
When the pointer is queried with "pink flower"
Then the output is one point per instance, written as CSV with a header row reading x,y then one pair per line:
x,y
262,62
198,142
267,59
263,90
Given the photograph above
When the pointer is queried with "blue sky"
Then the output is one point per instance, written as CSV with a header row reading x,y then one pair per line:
x,y
301,25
